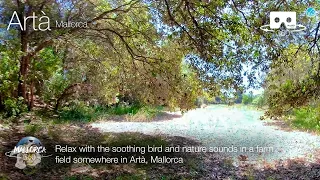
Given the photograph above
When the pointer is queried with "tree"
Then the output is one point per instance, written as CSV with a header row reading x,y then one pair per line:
x,y
295,82
246,99
32,41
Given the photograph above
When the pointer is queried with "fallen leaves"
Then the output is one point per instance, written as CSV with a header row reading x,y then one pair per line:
x,y
242,157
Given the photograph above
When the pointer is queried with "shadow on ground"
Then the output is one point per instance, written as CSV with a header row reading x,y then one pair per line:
x,y
165,116
280,125
161,116
81,135
195,166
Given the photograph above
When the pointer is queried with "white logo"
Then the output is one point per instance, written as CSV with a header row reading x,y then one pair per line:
x,y
279,18
28,152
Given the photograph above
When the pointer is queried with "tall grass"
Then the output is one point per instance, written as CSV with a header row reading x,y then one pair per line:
x,y
145,113
122,110
81,113
77,112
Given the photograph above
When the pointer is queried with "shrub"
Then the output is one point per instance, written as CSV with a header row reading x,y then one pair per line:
x,y
124,109
77,111
246,99
307,118
145,113
151,112
259,100
14,107
33,128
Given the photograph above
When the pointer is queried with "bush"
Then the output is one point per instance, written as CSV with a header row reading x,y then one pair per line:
x,y
259,101
124,109
150,112
54,86
77,111
246,99
307,118
145,113
14,107
32,129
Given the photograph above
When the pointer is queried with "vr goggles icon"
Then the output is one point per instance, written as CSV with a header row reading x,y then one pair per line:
x,y
288,18
279,18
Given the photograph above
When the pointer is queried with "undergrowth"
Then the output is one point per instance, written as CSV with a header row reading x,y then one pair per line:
x,y
80,112
307,118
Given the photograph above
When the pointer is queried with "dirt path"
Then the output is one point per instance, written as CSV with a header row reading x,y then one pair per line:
x,y
215,126
238,129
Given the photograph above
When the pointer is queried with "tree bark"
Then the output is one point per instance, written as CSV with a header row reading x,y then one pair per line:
x,y
24,61
1,103
23,74
31,99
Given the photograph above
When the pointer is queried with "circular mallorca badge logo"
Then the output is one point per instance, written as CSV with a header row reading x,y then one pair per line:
x,y
311,12
28,152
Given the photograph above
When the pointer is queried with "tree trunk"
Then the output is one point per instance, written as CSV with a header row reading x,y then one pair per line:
x,y
1,103
31,99
23,74
24,62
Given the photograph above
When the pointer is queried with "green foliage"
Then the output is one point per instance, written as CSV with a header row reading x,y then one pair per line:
x,y
32,129
8,73
293,81
290,95
46,64
54,86
147,113
124,109
259,100
47,69
14,107
77,111
152,111
4,177
206,98
307,118
247,99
